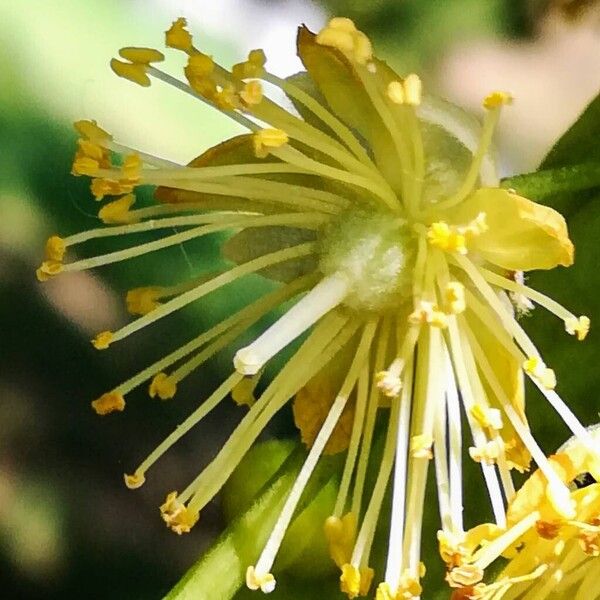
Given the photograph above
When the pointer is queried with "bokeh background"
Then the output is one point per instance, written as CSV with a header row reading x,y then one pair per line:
x,y
68,526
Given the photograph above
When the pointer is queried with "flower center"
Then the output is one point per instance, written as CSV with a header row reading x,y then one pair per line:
x,y
375,251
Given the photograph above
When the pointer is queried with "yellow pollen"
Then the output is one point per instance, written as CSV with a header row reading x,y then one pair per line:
x,y
413,90
162,386
141,301
442,236
90,131
454,296
579,327
341,33
226,98
389,383
92,150
420,446
252,94
251,68
48,269
486,454
384,592
108,403
428,313
84,165
110,187
590,542
177,516
395,92
131,167
135,72
496,99
488,418
355,582
200,66
536,367
263,582
117,211
265,139
135,481
143,56
341,535
103,340
464,576
178,37
55,248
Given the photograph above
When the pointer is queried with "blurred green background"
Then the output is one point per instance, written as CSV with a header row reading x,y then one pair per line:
x,y
68,526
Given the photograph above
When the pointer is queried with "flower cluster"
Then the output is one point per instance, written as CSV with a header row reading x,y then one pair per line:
x,y
378,209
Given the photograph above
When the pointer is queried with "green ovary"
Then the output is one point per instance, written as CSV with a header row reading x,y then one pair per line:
x,y
375,250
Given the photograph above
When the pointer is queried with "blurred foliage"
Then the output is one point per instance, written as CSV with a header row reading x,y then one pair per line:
x,y
66,522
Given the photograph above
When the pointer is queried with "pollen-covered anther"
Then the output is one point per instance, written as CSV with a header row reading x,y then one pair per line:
x,y
340,534
487,453
267,139
341,33
589,541
101,187
428,313
134,481
251,68
163,386
578,326
420,446
117,211
547,529
131,167
354,581
178,37
139,60
454,297
488,418
395,92
265,582
464,576
451,548
142,300
536,367
443,236
103,340
252,94
55,248
48,269
413,90
84,165
108,403
389,383
178,517
90,131
497,99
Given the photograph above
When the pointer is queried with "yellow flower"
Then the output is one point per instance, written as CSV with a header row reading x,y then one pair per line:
x,y
377,209
552,556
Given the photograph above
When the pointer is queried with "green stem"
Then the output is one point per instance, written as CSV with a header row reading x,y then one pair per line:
x,y
221,572
548,182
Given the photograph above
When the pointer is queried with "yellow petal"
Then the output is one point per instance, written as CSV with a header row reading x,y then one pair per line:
x,y
313,401
522,234
507,370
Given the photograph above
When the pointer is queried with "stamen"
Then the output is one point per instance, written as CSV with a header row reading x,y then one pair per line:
x,y
325,296
271,548
493,104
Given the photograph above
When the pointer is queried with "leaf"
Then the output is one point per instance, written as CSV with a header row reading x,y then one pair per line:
x,y
549,182
580,143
